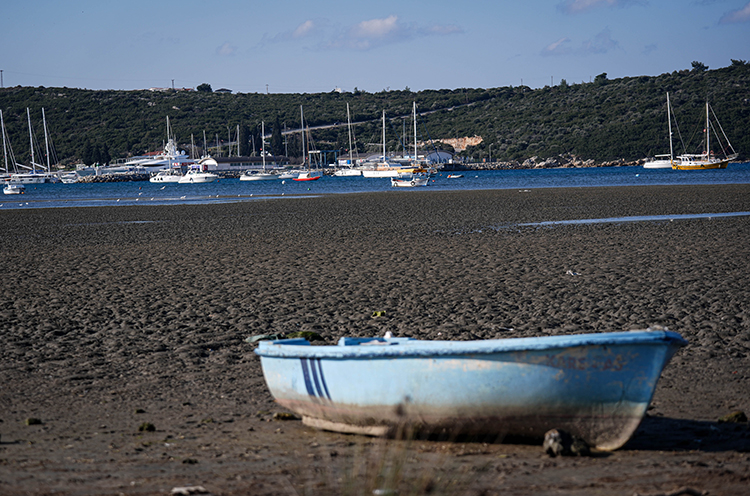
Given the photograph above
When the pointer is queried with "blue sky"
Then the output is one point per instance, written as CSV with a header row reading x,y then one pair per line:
x,y
303,46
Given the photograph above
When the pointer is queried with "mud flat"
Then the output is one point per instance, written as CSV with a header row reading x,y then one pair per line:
x,y
124,368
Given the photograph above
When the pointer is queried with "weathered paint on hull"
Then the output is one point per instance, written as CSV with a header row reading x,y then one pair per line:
x,y
599,392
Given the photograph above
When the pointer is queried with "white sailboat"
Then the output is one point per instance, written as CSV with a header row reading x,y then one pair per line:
x,y
415,175
349,170
260,175
381,169
663,161
10,188
35,176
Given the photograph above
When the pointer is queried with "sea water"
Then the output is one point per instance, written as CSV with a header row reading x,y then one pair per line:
x,y
234,190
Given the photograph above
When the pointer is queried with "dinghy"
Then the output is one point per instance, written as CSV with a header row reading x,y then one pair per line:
x,y
595,386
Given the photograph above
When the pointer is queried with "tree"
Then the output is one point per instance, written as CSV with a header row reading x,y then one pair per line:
x,y
601,78
738,63
204,88
699,66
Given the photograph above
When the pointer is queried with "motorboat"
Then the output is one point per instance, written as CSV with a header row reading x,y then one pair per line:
x,y
410,181
196,176
172,175
14,188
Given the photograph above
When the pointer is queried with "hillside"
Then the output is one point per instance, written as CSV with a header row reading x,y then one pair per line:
x,y
602,120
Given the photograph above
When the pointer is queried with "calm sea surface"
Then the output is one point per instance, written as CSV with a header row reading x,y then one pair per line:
x,y
234,190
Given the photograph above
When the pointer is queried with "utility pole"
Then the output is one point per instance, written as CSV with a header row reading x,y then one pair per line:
x,y
173,85
1,79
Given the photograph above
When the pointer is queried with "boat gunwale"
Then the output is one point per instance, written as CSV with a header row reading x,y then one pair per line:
x,y
408,348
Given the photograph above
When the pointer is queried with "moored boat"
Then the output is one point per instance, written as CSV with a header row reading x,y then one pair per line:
x,y
171,175
409,181
707,159
13,188
595,386
196,176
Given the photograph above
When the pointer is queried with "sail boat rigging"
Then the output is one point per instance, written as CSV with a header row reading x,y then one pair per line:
x,y
707,159
254,175
307,175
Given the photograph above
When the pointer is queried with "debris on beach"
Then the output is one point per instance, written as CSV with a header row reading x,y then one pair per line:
x,y
146,427
737,417
33,421
558,442
188,490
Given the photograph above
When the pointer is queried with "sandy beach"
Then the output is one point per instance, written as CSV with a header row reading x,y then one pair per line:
x,y
119,320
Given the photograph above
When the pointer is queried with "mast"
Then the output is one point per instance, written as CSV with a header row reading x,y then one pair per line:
x,y
46,141
415,132
302,127
262,143
31,140
384,160
238,141
708,135
5,153
669,120
349,122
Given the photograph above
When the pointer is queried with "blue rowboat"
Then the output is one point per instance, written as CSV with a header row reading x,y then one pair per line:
x,y
595,386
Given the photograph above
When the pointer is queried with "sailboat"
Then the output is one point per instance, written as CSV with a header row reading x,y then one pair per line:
x,y
35,176
707,159
381,169
663,161
415,175
349,170
255,175
10,187
305,175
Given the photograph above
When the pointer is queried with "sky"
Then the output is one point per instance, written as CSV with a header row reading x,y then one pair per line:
x,y
304,46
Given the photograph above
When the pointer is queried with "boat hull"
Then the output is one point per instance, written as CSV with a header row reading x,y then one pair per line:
x,y
701,165
371,173
259,176
198,178
409,183
595,386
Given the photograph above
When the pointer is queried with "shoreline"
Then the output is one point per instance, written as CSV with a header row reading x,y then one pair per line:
x,y
118,317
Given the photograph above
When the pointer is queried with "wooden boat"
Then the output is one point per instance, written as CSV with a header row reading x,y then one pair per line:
x,y
595,386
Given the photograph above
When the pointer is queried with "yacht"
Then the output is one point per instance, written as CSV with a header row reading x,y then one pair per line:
x,y
195,176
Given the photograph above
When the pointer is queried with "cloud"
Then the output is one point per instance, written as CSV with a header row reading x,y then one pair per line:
x,y
560,47
304,29
600,43
650,48
309,29
376,28
362,36
577,6
226,49
736,16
